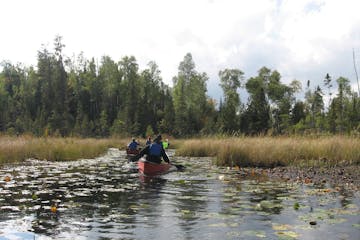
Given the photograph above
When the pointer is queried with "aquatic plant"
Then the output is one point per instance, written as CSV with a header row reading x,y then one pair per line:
x,y
16,149
276,151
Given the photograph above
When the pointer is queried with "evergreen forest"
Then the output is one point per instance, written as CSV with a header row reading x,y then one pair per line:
x,y
63,96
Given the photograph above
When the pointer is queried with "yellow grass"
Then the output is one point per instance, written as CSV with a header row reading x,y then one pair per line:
x,y
15,149
234,151
276,151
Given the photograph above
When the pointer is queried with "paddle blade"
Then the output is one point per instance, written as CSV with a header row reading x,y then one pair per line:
x,y
179,167
133,159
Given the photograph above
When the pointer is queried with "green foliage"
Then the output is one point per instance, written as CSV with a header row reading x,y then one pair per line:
x,y
230,82
81,97
256,119
149,131
118,128
189,98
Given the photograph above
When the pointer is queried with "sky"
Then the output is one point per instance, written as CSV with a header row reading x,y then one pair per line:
x,y
301,39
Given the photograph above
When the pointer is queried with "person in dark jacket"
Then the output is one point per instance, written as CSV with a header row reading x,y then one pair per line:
x,y
154,152
148,141
133,145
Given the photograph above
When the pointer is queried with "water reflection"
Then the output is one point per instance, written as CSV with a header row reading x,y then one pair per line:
x,y
104,198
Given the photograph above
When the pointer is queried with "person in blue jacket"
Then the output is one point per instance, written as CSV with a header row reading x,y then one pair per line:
x,y
148,141
154,152
133,145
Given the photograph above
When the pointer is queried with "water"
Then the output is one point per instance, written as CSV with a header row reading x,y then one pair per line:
x,y
104,198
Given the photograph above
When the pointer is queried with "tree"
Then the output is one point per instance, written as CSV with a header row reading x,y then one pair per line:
x,y
59,118
130,83
230,82
298,112
211,119
180,107
110,77
167,122
152,98
328,84
278,98
103,128
341,104
189,97
315,108
257,114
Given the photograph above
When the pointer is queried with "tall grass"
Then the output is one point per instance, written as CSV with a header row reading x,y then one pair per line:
x,y
233,151
276,151
16,149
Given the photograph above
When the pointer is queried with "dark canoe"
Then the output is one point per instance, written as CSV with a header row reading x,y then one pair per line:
x,y
131,153
149,168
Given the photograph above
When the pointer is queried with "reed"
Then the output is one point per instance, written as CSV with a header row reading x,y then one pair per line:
x,y
228,151
17,149
276,151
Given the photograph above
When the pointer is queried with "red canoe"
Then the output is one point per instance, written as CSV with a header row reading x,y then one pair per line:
x,y
149,168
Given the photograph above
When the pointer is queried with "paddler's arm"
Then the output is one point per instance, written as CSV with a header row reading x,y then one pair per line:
x,y
165,157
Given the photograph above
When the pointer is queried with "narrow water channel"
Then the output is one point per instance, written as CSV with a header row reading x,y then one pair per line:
x,y
104,198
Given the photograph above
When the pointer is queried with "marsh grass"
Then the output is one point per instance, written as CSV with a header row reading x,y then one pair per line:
x,y
16,149
234,151
276,151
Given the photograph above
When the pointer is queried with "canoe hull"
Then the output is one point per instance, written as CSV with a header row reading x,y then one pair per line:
x,y
131,153
149,168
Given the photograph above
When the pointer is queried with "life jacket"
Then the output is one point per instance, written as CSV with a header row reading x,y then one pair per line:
x,y
155,149
165,145
133,145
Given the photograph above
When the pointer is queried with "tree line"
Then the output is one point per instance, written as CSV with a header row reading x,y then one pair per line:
x,y
80,97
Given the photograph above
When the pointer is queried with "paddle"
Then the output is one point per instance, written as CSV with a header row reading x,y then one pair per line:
x,y
133,159
137,157
179,166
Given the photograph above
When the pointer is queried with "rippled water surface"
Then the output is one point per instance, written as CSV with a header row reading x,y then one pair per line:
x,y
105,198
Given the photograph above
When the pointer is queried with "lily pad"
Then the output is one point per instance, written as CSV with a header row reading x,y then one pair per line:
x,y
233,234
185,213
356,225
281,227
255,233
336,220
287,235
352,206
265,204
224,225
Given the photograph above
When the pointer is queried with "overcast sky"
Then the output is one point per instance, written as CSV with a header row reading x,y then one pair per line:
x,y
302,39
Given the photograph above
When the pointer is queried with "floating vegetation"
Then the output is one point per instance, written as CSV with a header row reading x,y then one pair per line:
x,y
281,227
296,206
101,199
356,225
287,235
331,221
186,213
255,233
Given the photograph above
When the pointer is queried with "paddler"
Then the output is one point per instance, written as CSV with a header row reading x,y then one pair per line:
x,y
154,152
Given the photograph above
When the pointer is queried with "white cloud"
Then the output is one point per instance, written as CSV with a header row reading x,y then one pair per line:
x,y
302,39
